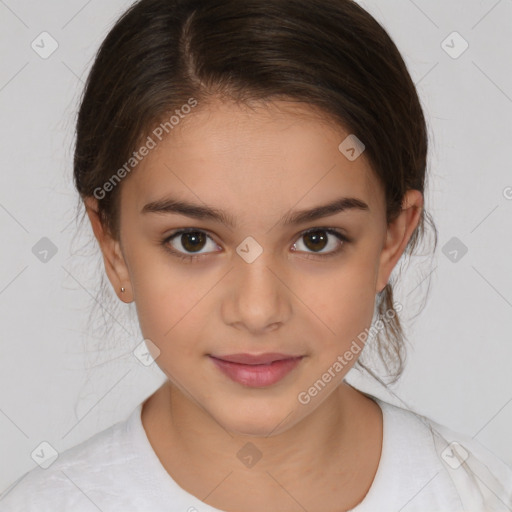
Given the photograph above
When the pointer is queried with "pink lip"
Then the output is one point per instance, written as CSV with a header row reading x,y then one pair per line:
x,y
256,371
269,357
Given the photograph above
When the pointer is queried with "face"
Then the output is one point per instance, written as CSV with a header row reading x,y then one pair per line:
x,y
252,276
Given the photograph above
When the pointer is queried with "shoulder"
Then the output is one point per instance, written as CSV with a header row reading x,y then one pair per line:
x,y
76,479
456,462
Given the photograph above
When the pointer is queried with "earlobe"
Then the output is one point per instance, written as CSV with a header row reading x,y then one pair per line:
x,y
113,258
398,235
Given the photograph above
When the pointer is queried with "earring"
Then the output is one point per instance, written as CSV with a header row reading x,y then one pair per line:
x,y
122,289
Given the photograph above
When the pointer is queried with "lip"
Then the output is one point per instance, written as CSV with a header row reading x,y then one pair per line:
x,y
268,357
256,370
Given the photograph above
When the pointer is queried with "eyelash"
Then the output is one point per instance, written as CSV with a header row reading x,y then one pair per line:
x,y
189,259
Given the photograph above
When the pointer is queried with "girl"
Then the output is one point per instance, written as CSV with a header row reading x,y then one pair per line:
x,y
253,172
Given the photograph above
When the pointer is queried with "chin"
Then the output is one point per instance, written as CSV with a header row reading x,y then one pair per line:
x,y
256,422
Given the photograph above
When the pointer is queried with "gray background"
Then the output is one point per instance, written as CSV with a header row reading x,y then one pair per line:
x,y
458,370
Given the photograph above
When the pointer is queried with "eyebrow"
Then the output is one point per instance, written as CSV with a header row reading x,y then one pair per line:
x,y
170,205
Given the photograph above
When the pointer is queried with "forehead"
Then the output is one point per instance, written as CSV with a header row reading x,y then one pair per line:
x,y
262,157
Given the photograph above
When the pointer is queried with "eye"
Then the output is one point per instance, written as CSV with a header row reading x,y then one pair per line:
x,y
317,239
193,241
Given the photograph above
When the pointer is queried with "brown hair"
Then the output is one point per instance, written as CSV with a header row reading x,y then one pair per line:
x,y
329,54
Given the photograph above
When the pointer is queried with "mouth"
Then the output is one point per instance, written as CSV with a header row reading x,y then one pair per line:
x,y
256,370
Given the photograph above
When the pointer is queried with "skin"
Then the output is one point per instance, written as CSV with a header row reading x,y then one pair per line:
x,y
257,164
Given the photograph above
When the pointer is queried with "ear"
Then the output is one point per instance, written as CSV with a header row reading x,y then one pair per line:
x,y
398,235
113,258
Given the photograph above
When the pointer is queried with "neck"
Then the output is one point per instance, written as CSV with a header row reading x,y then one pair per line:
x,y
340,441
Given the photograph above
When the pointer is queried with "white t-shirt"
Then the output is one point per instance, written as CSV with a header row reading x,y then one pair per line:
x,y
117,470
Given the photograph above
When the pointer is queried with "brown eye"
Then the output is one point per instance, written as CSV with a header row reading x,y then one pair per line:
x,y
318,239
189,242
193,241
186,244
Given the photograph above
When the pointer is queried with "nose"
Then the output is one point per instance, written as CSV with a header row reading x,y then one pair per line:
x,y
257,300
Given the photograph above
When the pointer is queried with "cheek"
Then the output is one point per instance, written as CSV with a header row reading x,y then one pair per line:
x,y
173,303
346,308
163,292
344,299
166,303
167,319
